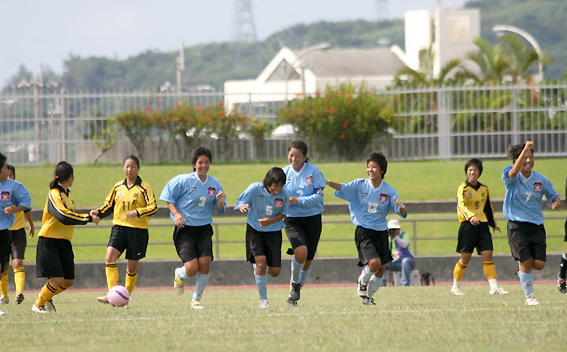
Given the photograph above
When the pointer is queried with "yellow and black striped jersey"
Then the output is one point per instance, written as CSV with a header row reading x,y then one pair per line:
x,y
474,201
59,216
19,223
122,199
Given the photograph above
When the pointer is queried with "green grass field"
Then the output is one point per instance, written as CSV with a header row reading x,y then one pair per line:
x,y
424,318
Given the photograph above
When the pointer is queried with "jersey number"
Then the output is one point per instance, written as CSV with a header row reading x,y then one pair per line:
x,y
372,207
124,207
269,210
528,195
299,193
202,201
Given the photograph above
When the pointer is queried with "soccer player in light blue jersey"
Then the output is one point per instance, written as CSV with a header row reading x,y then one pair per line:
x,y
303,225
370,201
525,189
14,197
267,204
191,199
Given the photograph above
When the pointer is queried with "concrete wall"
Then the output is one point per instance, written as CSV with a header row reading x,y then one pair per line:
x,y
91,275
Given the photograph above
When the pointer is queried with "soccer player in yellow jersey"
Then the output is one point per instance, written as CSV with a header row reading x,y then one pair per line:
x,y
18,243
55,258
133,202
476,215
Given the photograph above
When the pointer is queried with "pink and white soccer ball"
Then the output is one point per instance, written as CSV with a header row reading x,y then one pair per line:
x,y
118,296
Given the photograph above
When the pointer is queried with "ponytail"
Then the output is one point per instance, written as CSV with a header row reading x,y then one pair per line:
x,y
63,171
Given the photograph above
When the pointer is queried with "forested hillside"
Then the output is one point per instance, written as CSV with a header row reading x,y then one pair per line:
x,y
212,64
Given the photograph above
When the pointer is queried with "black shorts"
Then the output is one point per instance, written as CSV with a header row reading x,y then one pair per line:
x,y
193,242
4,249
527,241
471,237
264,243
565,238
55,258
304,231
130,239
372,244
18,243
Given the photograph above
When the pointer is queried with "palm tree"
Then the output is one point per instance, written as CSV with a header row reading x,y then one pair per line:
x,y
425,76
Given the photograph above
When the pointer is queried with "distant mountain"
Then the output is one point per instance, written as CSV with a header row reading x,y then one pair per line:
x,y
213,64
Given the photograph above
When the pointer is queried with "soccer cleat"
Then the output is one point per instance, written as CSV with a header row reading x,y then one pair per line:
x,y
531,301
368,301
561,284
498,291
38,309
294,291
50,307
291,302
178,285
264,303
102,299
4,300
19,298
196,305
361,288
456,290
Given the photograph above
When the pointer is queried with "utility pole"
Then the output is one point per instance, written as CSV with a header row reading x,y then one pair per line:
x,y
180,68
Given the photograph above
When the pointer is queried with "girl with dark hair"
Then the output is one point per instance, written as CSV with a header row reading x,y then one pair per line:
x,y
191,199
370,201
305,184
55,258
133,202
525,189
18,243
14,198
267,203
476,216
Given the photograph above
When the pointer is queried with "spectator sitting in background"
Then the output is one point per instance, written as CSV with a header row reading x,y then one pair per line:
x,y
399,246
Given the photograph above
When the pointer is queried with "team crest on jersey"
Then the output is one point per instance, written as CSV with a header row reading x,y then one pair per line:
x,y
469,194
278,202
309,181
212,191
119,194
383,198
538,187
6,196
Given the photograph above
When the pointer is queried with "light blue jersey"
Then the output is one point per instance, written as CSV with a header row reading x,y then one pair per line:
x,y
307,186
523,199
263,205
369,206
193,198
12,193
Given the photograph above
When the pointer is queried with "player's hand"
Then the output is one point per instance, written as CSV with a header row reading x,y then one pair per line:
x,y
293,200
529,145
32,232
94,212
265,221
96,220
10,210
497,228
556,205
221,196
474,221
244,208
400,205
179,220
131,215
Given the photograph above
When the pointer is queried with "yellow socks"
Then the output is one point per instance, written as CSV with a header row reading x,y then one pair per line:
x,y
459,271
111,274
4,283
489,270
46,294
19,278
131,280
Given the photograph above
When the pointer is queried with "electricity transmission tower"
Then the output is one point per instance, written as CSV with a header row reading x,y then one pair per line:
x,y
244,34
382,10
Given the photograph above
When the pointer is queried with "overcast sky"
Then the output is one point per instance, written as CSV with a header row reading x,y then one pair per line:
x,y
34,32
